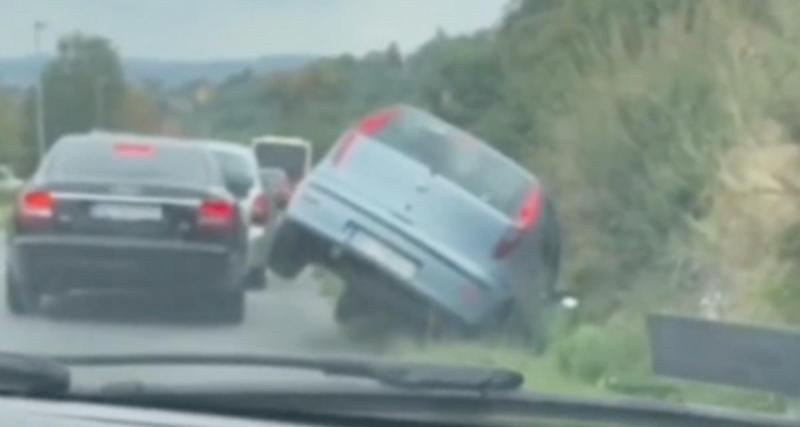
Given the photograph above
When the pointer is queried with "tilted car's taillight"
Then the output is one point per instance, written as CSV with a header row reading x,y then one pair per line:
x,y
368,126
216,214
524,220
36,209
259,213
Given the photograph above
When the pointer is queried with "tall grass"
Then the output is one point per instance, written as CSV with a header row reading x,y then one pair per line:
x,y
638,105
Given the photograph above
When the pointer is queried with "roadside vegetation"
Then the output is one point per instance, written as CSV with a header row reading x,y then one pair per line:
x,y
667,129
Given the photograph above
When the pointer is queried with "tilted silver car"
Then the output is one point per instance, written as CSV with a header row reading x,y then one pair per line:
x,y
424,219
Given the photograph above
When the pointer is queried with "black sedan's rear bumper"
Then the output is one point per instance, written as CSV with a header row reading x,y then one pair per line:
x,y
69,262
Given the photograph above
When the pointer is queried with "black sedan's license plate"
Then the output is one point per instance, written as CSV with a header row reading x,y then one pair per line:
x,y
126,212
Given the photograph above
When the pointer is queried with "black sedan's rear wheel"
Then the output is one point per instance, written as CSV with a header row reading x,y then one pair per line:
x,y
21,297
256,279
230,306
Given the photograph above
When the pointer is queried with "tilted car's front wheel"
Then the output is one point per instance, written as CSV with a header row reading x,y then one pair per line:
x,y
288,255
21,298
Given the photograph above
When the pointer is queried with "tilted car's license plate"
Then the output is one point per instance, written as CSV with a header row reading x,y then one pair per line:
x,y
384,255
126,212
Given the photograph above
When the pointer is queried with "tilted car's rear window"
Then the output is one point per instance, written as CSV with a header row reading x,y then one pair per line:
x,y
130,161
458,156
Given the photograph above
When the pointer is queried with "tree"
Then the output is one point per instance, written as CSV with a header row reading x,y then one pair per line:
x,y
84,87
10,132
393,56
140,112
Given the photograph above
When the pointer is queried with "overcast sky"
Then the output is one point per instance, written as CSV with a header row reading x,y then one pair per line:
x,y
205,29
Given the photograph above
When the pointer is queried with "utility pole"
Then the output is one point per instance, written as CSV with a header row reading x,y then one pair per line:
x,y
38,28
99,102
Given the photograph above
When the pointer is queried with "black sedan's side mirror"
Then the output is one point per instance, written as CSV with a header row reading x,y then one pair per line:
x,y
239,186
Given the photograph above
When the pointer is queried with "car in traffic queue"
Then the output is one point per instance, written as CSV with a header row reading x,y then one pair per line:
x,y
276,185
241,177
291,154
120,212
425,221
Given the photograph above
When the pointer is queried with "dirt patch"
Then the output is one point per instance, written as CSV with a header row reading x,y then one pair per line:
x,y
753,204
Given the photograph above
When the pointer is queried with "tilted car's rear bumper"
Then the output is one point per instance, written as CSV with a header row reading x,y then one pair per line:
x,y
441,280
94,261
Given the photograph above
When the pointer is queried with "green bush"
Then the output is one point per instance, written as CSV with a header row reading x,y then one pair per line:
x,y
593,353
7,197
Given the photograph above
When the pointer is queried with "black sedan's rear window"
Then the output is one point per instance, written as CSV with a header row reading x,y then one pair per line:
x,y
130,161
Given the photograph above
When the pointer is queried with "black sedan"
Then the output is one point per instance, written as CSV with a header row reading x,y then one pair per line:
x,y
114,212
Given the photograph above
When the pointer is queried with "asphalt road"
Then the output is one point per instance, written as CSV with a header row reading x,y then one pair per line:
x,y
285,318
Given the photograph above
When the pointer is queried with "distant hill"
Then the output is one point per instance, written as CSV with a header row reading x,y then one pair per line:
x,y
21,71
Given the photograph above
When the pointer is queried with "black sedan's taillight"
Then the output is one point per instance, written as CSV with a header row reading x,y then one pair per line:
x,y
216,215
36,210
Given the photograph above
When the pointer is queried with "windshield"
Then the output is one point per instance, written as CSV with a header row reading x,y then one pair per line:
x,y
600,195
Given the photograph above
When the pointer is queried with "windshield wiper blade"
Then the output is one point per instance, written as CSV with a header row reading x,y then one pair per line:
x,y
404,375
32,375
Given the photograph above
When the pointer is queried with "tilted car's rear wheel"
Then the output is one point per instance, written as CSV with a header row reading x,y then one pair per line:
x,y
529,314
550,250
364,310
289,252
21,298
349,307
527,321
363,314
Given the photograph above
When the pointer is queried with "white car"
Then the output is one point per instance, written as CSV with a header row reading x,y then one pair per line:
x,y
291,154
277,185
240,171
